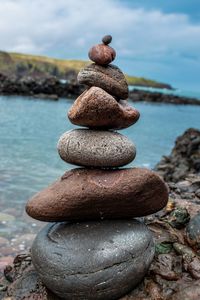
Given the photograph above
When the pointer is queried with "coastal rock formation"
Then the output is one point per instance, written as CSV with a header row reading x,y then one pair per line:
x,y
52,88
96,148
44,87
95,108
102,260
110,78
83,194
184,158
156,97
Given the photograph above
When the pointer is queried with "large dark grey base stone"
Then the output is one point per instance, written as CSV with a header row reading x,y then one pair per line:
x,y
93,260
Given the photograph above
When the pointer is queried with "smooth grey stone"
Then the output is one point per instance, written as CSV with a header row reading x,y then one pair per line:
x,y
93,260
96,148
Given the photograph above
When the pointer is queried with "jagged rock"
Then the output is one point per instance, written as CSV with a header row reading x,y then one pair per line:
x,y
184,158
155,97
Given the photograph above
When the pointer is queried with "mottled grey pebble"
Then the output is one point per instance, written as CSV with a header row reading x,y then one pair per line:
x,y
96,148
93,260
110,78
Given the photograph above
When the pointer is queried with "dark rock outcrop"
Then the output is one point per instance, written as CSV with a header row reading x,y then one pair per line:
x,y
39,87
155,97
184,158
45,87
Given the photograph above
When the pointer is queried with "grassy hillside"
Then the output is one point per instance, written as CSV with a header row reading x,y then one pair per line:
x,y
32,65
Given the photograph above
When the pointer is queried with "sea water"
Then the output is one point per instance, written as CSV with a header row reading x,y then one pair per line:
x,y
30,129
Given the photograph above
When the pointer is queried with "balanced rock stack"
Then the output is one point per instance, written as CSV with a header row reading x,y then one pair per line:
x,y
95,249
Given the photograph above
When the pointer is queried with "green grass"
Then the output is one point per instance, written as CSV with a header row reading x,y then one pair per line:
x,y
32,65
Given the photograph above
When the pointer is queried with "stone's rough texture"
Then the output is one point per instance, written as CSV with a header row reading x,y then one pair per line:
x,y
193,232
102,54
95,108
83,194
95,148
93,260
110,78
107,39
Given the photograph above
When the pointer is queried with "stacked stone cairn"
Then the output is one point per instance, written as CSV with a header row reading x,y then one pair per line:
x,y
95,249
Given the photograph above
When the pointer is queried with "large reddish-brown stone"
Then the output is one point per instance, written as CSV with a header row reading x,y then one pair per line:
x,y
92,194
95,108
110,78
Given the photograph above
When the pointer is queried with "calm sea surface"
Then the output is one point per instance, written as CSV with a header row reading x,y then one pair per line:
x,y
30,129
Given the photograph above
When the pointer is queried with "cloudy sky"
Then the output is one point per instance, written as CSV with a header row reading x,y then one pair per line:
x,y
158,39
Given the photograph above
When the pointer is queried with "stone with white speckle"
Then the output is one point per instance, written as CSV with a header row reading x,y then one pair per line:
x,y
96,148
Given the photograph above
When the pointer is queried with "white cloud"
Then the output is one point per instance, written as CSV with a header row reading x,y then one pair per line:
x,y
70,27
38,26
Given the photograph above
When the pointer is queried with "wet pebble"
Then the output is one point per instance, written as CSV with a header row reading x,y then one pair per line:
x,y
193,232
93,260
179,218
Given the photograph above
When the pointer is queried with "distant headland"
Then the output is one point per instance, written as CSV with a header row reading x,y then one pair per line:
x,y
50,78
23,65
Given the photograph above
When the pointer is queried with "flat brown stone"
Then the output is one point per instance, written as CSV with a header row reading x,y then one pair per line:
x,y
110,78
84,194
95,108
